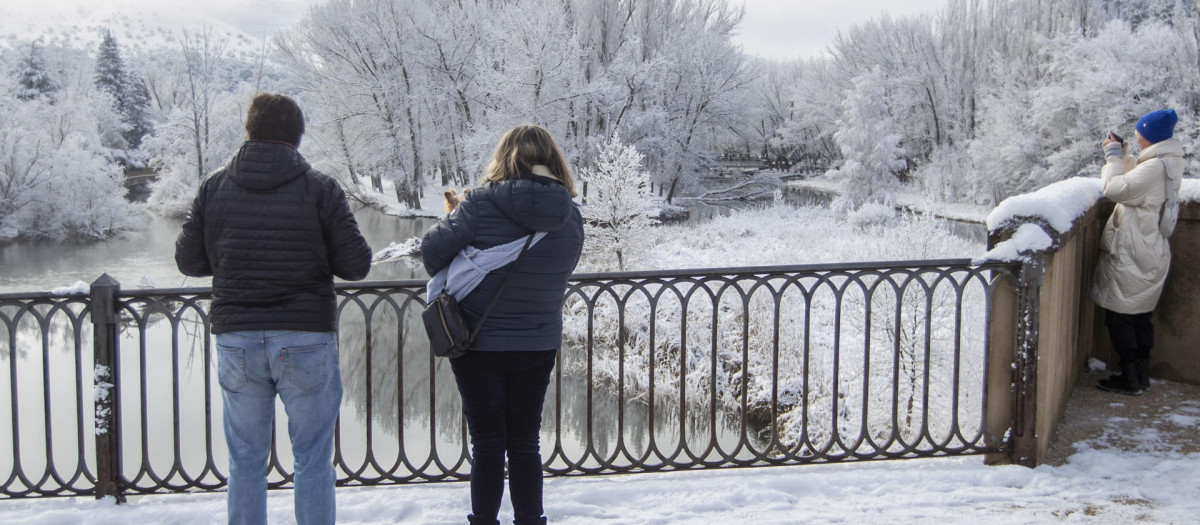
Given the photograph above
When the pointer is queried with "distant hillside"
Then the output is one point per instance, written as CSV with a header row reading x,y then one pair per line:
x,y
137,30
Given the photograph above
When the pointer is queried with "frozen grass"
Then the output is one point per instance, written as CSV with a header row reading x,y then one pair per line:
x,y
829,370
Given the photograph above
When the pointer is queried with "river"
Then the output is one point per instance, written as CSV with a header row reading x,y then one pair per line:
x,y
146,258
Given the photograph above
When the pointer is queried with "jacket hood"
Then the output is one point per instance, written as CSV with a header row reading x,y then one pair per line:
x,y
262,166
539,203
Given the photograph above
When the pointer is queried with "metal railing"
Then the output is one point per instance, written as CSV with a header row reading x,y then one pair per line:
x,y
660,370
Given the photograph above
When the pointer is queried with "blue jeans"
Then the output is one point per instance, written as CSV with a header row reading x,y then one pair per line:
x,y
502,394
302,368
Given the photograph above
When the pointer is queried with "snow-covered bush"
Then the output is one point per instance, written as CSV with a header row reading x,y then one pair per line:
x,y
619,209
872,214
870,146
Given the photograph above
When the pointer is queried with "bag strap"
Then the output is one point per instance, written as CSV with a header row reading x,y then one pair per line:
x,y
1166,193
501,289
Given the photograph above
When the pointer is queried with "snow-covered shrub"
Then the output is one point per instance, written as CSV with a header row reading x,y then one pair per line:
x,y
872,214
870,145
620,209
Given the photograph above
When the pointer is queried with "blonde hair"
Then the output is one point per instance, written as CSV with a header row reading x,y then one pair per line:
x,y
522,148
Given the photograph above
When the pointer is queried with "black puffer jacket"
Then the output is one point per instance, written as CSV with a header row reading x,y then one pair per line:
x,y
528,315
272,232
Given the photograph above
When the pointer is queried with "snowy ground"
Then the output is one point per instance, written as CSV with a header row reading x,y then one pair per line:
x,y
1133,460
907,198
1097,485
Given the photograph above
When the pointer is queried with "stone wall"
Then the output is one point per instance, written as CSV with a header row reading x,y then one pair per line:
x,y
1070,327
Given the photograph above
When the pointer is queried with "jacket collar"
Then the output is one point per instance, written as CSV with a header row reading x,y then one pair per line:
x,y
263,166
1167,148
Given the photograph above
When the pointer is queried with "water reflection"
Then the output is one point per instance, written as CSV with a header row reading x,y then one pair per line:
x,y
146,257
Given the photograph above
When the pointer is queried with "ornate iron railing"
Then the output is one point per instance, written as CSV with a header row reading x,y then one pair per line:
x,y
661,370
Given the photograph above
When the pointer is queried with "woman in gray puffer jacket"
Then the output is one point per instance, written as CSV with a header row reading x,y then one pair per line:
x,y
504,375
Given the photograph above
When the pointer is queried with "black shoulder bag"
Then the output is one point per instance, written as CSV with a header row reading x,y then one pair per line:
x,y
445,325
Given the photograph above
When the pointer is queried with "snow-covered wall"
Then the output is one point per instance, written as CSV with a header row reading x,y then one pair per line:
x,y
1058,205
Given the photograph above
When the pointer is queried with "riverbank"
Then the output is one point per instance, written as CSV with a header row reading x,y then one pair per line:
x,y
905,200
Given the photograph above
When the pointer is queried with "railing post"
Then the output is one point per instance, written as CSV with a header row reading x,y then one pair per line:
x,y
1025,370
104,344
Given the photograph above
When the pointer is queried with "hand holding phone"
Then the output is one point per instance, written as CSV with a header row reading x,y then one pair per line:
x,y
1114,146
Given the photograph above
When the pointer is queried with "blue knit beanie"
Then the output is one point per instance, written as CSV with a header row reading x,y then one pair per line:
x,y
1157,126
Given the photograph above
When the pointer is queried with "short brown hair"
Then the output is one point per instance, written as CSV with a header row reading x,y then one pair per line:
x,y
524,147
274,117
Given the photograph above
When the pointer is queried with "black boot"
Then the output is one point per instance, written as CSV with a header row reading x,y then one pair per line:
x,y
1125,382
480,521
539,521
1143,374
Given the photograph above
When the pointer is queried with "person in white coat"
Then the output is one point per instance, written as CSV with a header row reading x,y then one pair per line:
x,y
1134,253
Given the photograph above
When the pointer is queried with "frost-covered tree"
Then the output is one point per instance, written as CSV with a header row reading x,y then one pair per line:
x,y
129,94
110,69
619,208
698,90
135,110
203,127
56,180
992,98
110,80
33,80
362,56
806,133
418,91
870,147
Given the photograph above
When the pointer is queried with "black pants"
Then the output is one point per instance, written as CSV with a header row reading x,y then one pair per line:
x,y
502,395
1132,335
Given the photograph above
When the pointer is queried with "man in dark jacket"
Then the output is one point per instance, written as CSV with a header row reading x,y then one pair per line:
x,y
273,233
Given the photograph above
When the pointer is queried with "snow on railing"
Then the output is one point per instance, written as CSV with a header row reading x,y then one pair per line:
x,y
1058,204
100,394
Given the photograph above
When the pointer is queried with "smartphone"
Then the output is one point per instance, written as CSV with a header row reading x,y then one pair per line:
x,y
1116,137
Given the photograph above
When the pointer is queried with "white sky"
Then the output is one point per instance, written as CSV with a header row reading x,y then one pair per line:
x,y
771,29
802,28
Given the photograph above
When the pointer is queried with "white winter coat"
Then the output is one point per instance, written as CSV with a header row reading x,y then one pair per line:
x,y
1134,256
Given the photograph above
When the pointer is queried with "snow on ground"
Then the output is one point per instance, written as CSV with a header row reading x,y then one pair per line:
x,y
432,202
908,199
784,235
1095,486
